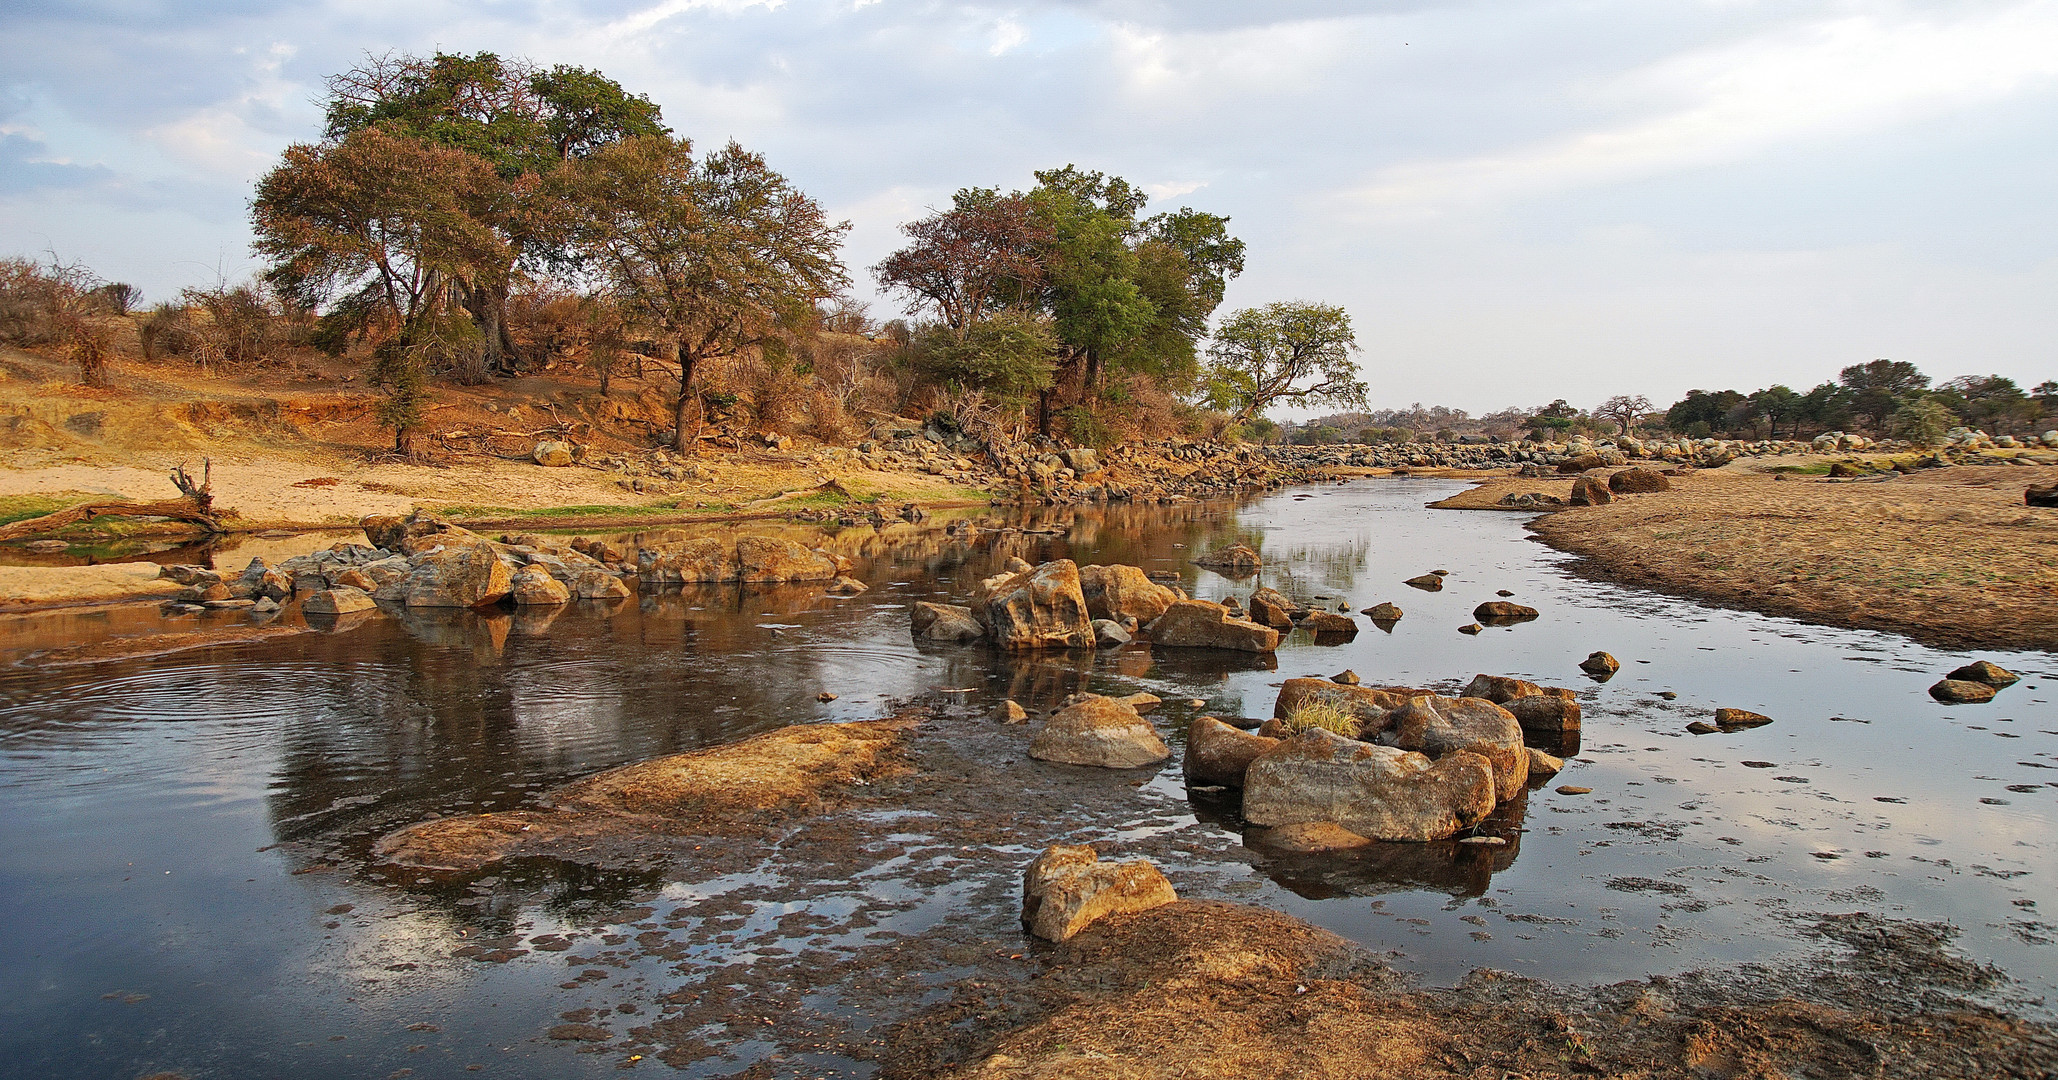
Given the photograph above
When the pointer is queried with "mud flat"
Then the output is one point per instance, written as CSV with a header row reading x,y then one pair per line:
x,y
1951,557
1217,989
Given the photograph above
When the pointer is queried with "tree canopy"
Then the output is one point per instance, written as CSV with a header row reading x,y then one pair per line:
x,y
1291,350
717,254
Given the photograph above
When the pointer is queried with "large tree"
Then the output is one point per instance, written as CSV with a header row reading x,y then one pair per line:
x,y
715,254
1288,351
982,255
521,121
1624,409
1877,388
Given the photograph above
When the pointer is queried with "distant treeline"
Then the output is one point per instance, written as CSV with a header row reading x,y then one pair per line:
x,y
1887,398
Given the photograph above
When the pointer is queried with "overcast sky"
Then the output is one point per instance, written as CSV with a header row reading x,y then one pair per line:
x,y
1516,201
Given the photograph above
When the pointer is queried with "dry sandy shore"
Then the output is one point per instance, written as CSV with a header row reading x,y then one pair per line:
x,y
1948,556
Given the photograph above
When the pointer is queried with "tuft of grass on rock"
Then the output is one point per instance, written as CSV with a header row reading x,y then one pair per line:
x,y
1322,714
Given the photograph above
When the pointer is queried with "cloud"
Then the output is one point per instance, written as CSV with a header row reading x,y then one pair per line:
x,y
1173,189
1834,79
26,165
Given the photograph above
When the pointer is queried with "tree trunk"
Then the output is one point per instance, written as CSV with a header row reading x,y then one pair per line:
x,y
686,359
1043,413
176,509
403,440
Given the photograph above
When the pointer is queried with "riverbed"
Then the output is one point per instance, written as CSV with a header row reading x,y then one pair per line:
x,y
185,883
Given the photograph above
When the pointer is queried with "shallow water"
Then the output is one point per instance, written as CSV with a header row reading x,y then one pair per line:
x,y
183,882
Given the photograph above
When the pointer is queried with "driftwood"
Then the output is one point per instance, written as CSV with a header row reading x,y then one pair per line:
x,y
196,505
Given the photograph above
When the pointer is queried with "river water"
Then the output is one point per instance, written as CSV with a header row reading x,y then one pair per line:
x,y
184,884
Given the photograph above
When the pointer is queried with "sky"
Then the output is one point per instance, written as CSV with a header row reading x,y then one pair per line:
x,y
1515,201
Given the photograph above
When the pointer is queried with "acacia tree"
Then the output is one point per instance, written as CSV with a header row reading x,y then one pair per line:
x,y
523,122
386,225
1877,388
716,255
1290,350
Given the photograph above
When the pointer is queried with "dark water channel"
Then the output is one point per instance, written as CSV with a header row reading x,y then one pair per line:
x,y
184,883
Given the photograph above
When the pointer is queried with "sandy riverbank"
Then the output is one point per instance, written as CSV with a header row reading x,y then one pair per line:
x,y
1948,556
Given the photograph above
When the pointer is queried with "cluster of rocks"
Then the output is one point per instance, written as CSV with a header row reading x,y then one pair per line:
x,y
1976,440
420,561
1413,765
1973,684
1059,605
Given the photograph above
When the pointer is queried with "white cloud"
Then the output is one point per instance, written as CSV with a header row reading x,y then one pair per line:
x,y
1844,77
1007,35
648,19
1173,189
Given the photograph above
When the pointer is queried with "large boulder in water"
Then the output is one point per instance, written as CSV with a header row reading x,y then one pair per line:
x,y
534,587
1982,671
1040,608
765,560
1118,592
1067,888
413,534
1217,753
751,560
704,559
1381,792
469,576
1441,726
1098,731
1203,624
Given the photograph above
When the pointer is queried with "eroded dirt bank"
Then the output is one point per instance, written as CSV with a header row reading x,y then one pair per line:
x,y
1950,556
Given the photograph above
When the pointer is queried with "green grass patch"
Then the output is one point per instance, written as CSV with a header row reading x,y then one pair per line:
x,y
15,508
1820,468
552,511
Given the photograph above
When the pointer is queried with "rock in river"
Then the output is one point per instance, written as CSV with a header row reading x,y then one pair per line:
x,y
1962,692
1383,612
1067,888
1739,719
534,587
467,576
1380,792
1236,560
1042,608
1118,592
1981,671
1101,732
1201,624
1600,665
1426,582
945,622
339,601
1502,611
1217,753
1441,726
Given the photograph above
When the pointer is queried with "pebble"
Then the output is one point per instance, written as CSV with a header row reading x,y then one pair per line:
x,y
1504,592
1196,703
1471,628
825,696
1573,789
1699,727
1668,695
1485,841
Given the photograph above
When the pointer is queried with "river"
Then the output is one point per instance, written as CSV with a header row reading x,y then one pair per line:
x,y
185,886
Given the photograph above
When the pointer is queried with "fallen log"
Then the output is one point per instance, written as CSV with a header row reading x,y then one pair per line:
x,y
195,505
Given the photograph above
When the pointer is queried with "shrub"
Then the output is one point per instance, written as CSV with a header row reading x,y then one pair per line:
x,y
1922,422
30,301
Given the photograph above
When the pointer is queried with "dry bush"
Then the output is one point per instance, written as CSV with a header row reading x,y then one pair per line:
x,y
168,331
31,299
549,323
237,326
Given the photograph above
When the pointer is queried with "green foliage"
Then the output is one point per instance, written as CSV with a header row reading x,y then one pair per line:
x,y
1006,355
1321,714
1923,421
1289,350
1875,389
1702,407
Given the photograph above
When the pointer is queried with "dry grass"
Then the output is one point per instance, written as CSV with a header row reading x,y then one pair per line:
x,y
790,769
1324,715
1950,556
